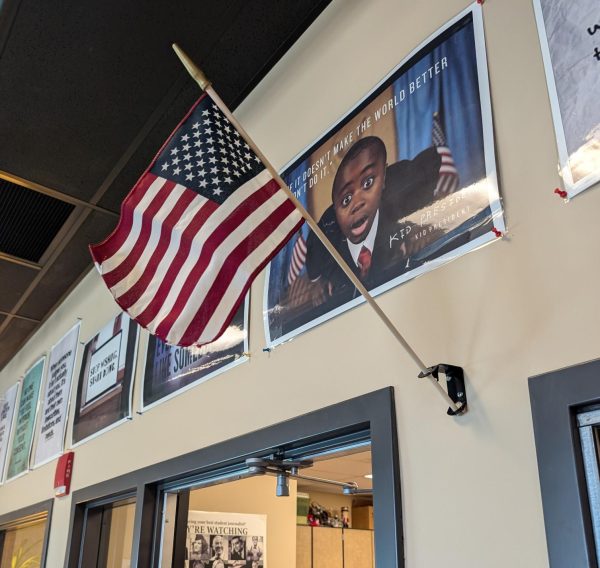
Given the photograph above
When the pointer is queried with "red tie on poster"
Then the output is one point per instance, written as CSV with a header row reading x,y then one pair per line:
x,y
364,261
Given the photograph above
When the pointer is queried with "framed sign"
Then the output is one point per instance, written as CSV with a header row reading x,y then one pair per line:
x,y
104,388
26,417
52,425
8,402
171,370
403,183
104,368
570,40
226,540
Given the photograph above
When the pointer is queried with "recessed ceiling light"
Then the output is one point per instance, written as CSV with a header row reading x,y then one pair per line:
x,y
369,476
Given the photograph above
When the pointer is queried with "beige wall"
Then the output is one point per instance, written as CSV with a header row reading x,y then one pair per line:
x,y
257,496
521,306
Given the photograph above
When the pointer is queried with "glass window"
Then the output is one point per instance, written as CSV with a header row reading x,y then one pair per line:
x,y
320,516
108,538
119,528
24,543
589,432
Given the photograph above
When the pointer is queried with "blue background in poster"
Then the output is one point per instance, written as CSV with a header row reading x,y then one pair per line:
x,y
453,93
455,96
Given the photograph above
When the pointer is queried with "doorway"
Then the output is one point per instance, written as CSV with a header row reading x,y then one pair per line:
x,y
323,519
298,493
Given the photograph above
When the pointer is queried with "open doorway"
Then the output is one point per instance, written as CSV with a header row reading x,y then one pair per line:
x,y
254,501
319,516
336,526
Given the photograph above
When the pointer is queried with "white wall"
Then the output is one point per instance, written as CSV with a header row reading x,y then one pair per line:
x,y
522,306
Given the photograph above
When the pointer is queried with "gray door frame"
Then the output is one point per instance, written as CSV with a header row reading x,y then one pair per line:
x,y
374,412
556,399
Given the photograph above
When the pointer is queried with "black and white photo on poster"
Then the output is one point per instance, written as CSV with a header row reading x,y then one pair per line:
x,y
171,370
104,388
569,33
404,182
8,403
226,540
51,428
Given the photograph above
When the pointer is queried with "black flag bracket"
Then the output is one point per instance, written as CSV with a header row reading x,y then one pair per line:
x,y
455,385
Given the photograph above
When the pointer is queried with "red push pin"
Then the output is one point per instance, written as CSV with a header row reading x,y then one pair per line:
x,y
496,232
480,1
561,193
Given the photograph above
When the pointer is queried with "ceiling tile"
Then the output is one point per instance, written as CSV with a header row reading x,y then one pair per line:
x,y
75,260
22,210
14,279
13,337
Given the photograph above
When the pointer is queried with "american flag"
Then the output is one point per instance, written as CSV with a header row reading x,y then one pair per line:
x,y
298,259
448,180
195,230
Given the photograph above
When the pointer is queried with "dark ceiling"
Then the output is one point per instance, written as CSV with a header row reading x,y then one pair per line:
x,y
88,92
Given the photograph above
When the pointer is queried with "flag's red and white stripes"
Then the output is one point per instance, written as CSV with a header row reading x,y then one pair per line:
x,y
298,259
448,178
180,264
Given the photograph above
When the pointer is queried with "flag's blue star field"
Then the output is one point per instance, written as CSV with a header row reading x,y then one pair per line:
x,y
207,155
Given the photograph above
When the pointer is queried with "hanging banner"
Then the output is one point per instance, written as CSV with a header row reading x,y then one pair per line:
x,y
26,416
8,401
570,39
403,183
226,540
105,380
55,402
171,370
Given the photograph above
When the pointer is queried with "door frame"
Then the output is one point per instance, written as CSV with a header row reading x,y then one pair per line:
x,y
374,412
556,399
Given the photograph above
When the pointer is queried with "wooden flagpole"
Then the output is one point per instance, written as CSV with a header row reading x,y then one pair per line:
x,y
205,85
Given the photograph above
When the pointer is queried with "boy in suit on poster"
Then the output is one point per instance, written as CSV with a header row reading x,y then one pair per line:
x,y
365,221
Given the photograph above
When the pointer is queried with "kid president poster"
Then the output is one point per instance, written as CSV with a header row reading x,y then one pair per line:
x,y
401,184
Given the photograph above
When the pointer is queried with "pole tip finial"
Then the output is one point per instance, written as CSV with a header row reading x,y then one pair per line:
x,y
191,68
